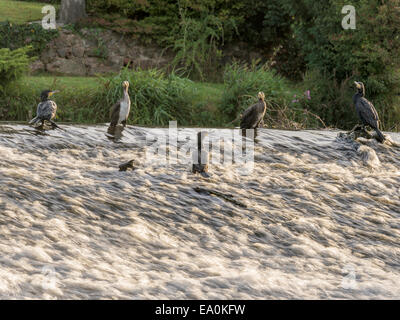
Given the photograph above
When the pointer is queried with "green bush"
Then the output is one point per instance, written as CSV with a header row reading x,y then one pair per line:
x,y
196,43
15,36
13,64
243,82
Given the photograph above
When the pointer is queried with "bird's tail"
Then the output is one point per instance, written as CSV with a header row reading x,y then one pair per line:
x,y
34,120
381,137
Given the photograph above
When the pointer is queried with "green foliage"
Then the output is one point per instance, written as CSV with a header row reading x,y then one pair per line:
x,y
295,36
156,98
243,82
101,50
370,53
196,43
128,8
13,64
329,98
196,30
15,36
261,23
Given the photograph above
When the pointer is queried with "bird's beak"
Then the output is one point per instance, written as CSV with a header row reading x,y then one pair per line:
x,y
358,86
53,92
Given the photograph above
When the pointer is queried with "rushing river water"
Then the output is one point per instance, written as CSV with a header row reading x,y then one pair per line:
x,y
317,217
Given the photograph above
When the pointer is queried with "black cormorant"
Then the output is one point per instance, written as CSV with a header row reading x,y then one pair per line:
x,y
120,111
254,115
200,156
366,111
46,109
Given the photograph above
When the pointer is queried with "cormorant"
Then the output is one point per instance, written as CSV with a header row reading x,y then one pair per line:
x,y
366,111
200,156
254,115
120,111
46,109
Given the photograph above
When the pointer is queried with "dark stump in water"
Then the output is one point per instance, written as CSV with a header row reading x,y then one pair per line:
x,y
361,135
127,165
358,131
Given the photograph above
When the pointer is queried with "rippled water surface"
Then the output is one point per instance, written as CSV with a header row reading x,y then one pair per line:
x,y
318,217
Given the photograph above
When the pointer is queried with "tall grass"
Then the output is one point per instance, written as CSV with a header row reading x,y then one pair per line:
x,y
242,82
156,98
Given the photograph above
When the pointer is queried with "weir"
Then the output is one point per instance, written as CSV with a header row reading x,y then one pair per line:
x,y
313,207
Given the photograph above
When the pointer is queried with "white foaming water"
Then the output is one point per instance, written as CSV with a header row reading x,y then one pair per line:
x,y
317,218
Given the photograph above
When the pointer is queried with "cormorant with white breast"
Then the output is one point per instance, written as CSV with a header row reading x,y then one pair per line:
x,y
46,109
120,111
366,111
200,156
253,117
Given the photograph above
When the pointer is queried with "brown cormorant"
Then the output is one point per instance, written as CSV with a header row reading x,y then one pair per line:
x,y
46,109
254,115
366,111
200,156
120,111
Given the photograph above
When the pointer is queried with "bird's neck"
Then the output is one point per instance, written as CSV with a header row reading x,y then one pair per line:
x,y
126,94
357,96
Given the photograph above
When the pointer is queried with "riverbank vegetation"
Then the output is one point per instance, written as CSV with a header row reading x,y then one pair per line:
x,y
309,62
157,98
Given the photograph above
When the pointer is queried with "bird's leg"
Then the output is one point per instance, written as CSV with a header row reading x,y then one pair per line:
x,y
41,127
356,128
123,123
364,130
261,124
54,125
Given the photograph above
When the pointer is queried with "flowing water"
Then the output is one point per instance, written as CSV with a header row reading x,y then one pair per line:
x,y
317,217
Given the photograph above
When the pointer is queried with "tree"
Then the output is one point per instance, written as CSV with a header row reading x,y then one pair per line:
x,y
13,64
72,10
